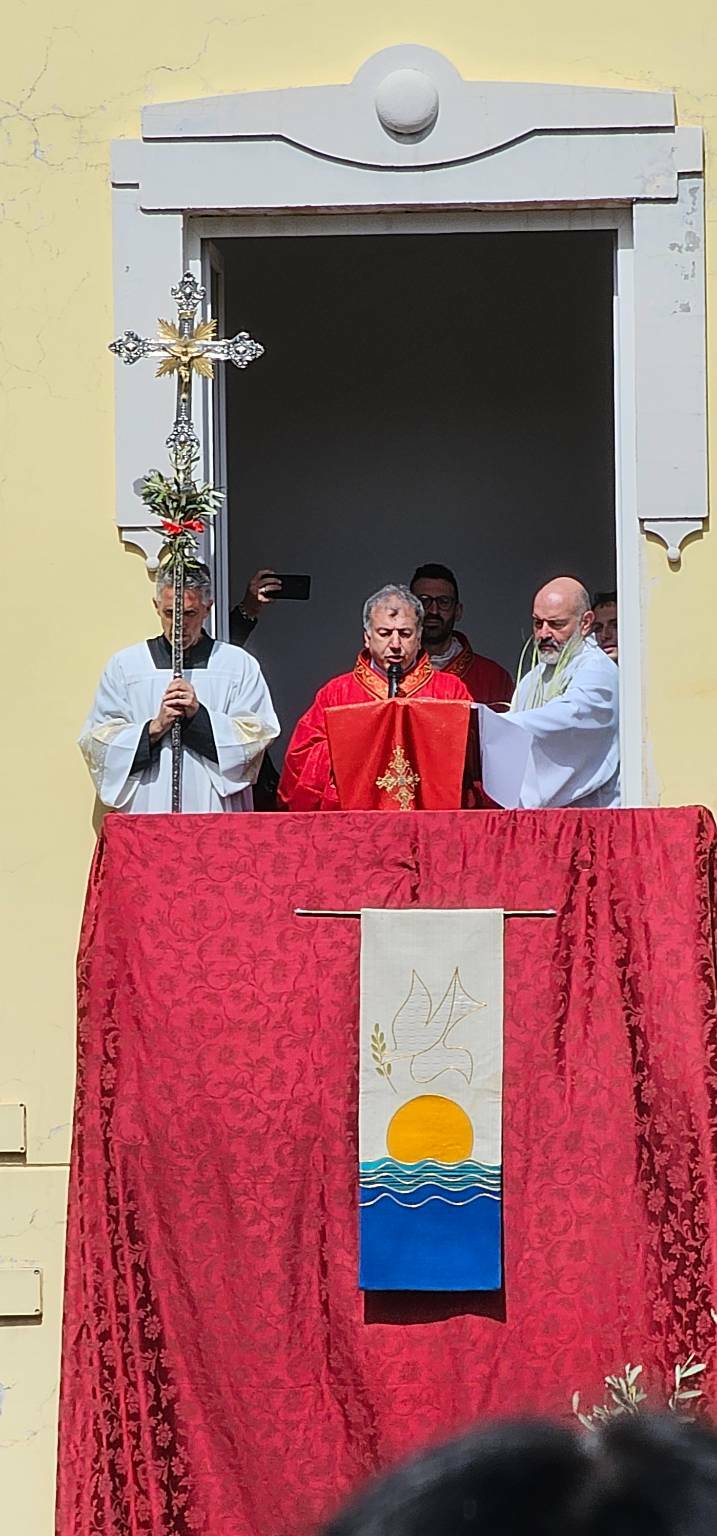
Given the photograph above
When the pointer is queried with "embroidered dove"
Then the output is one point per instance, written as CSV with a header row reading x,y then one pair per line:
x,y
421,1031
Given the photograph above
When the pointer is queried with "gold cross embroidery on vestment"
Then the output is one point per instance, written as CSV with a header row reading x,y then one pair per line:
x,y
400,780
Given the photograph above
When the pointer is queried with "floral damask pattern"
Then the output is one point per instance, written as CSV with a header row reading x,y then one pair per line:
x,y
222,1373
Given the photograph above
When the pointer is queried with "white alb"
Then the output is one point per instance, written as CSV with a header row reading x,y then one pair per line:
x,y
232,689
574,757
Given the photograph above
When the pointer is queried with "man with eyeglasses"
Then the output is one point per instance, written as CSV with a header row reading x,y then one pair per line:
x,y
447,648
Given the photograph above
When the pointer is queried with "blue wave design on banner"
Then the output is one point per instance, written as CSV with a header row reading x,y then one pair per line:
x,y
430,1225
399,1179
416,1198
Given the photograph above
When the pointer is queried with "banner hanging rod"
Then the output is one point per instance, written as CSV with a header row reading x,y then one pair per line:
x,y
310,912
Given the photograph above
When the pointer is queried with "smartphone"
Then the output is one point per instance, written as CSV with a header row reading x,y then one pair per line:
x,y
294,589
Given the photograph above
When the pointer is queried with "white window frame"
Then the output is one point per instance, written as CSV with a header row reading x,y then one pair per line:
x,y
410,147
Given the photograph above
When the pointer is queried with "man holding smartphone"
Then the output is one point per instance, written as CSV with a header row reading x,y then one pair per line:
x,y
265,587
261,590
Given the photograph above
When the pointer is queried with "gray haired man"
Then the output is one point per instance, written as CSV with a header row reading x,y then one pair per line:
x,y
221,700
392,625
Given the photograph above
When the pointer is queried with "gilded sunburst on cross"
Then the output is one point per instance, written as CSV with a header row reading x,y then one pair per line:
x,y
186,351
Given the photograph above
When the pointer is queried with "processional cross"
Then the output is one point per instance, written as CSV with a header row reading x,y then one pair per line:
x,y
183,506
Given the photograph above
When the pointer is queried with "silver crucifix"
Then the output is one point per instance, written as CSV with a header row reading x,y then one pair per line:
x,y
185,349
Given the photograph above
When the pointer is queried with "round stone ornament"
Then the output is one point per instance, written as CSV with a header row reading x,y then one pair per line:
x,y
407,103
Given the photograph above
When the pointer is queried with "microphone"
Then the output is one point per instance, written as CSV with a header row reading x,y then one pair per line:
x,y
394,674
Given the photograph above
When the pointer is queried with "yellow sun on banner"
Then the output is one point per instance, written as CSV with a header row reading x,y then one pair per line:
x,y
430,1126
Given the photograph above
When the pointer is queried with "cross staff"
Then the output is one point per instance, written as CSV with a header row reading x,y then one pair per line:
x,y
185,349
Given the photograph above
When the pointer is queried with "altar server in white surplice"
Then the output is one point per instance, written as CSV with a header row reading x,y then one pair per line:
x,y
222,701
568,704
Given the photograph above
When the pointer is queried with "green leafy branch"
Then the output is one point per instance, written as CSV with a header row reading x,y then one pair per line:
x,y
679,1396
627,1395
167,498
381,1062
183,508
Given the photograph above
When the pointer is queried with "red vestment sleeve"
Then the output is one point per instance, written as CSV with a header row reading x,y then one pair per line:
x,y
489,683
306,783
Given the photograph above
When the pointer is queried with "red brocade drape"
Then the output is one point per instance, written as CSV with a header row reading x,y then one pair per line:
x,y
222,1373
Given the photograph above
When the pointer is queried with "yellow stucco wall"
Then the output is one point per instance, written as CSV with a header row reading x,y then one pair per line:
x,y
70,81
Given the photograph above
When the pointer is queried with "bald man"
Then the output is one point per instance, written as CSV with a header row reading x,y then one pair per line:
x,y
568,703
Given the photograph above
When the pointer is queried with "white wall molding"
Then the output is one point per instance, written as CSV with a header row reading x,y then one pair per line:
x,y
147,253
670,388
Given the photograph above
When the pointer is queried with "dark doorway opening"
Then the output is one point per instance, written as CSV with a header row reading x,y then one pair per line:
x,y
423,397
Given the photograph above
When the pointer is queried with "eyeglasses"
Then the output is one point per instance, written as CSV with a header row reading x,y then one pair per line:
x,y
443,603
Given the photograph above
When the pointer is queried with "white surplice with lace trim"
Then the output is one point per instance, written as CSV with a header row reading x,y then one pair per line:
x,y
235,695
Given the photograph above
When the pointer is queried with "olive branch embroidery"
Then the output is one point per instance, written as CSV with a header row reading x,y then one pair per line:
x,y
378,1051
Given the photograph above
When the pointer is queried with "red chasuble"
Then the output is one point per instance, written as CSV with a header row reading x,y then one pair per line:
x,y
399,755
486,681
307,782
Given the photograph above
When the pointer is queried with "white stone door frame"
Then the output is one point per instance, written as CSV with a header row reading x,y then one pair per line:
x,y
409,146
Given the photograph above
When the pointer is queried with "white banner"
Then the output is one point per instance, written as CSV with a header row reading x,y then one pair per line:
x,y
430,1103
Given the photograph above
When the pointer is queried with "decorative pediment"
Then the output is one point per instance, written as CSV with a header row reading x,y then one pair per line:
x,y
408,106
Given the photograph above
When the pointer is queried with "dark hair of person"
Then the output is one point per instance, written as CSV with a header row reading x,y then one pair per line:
x,y
636,1476
601,598
434,572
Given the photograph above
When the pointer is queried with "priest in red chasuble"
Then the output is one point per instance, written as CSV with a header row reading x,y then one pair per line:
x,y
392,622
447,649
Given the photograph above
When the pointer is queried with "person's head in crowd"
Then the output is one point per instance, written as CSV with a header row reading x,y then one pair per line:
x,y
561,613
636,1476
437,590
198,599
392,624
605,625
